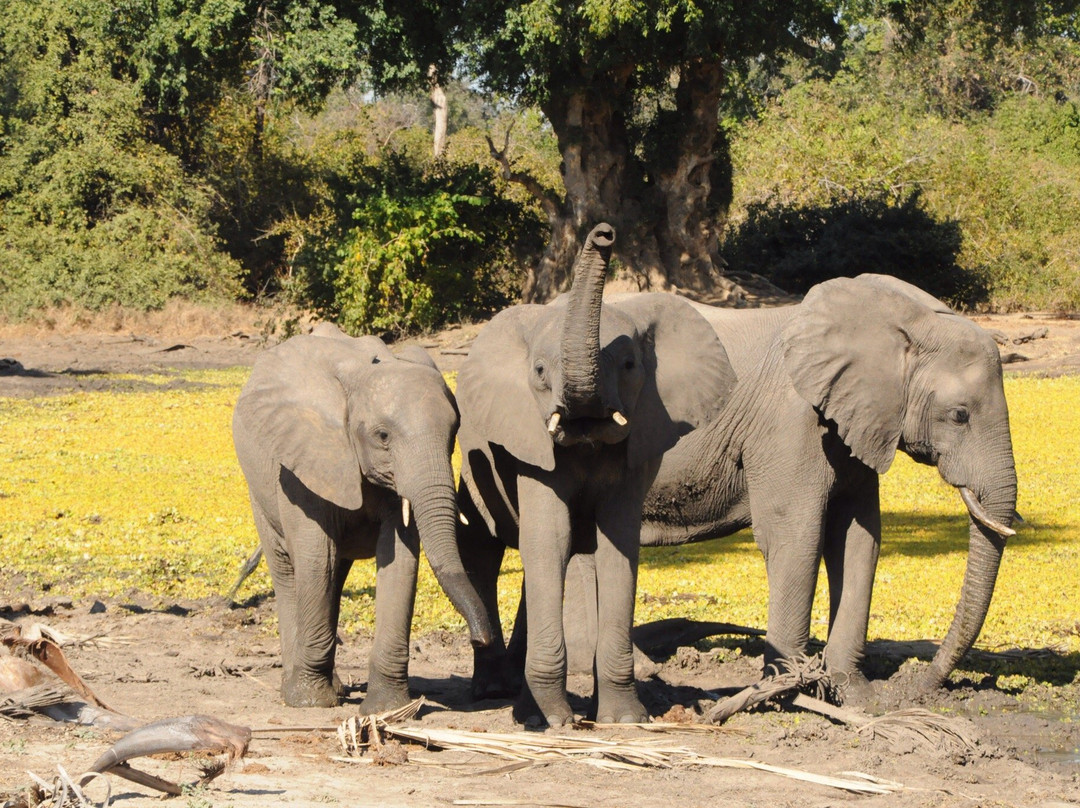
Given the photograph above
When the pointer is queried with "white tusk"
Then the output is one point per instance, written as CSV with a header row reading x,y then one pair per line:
x,y
619,418
979,514
406,511
553,422
464,521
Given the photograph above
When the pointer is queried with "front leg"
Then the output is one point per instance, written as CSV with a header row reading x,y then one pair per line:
x,y
618,538
544,544
852,544
396,561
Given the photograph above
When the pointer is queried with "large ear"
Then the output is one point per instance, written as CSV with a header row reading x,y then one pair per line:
x,y
416,355
493,393
907,289
687,372
848,352
295,401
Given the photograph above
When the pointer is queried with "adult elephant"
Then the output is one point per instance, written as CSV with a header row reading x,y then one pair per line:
x,y
565,411
827,391
341,442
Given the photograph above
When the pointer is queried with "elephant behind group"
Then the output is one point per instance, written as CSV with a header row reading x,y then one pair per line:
x,y
827,391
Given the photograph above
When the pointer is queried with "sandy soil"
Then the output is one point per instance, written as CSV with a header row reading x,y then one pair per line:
x,y
217,659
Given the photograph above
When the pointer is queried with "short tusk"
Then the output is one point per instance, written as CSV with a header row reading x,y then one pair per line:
x,y
979,514
553,422
619,418
464,521
406,511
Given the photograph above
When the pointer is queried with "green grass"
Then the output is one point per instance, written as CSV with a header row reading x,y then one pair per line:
x,y
111,494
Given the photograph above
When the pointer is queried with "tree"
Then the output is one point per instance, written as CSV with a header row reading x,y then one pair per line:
x,y
632,92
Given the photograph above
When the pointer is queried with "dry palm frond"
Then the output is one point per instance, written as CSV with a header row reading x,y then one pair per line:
x,y
522,749
953,736
63,792
915,725
23,703
800,673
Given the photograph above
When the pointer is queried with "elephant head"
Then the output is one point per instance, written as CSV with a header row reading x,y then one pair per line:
x,y
345,415
580,371
893,367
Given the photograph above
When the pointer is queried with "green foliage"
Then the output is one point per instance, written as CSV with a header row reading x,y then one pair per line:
x,y
91,213
426,248
982,212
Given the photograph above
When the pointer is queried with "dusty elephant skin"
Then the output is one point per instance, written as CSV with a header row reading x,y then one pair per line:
x,y
336,467
565,411
828,390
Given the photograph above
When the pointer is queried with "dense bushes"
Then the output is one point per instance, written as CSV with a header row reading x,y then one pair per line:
x,y
981,212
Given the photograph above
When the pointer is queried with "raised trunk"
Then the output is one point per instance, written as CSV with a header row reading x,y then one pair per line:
x,y
430,489
580,349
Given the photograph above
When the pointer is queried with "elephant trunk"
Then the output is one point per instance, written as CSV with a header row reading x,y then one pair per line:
x,y
429,488
991,512
580,348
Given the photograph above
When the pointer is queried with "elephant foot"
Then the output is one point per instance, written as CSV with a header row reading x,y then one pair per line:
x,y
306,689
555,711
619,705
384,694
855,689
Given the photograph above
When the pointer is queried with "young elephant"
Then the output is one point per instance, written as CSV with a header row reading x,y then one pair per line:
x,y
341,442
565,411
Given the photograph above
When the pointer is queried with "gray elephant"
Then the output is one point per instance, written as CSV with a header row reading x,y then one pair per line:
x,y
828,390
341,443
565,412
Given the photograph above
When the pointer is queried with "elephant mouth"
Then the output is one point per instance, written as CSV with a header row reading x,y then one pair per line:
x,y
574,431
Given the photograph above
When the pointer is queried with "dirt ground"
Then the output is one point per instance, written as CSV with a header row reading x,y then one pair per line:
x,y
221,660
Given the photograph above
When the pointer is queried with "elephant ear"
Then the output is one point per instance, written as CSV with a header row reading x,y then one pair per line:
x,y
295,402
494,398
848,352
904,288
687,372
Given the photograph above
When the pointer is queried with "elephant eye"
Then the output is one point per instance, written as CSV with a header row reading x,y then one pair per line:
x,y
382,435
629,364
539,370
959,416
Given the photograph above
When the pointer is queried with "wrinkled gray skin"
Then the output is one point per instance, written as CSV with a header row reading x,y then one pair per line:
x,y
625,381
828,390
332,434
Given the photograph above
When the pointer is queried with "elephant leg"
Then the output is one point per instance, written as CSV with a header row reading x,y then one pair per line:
x,y
315,560
482,555
788,528
517,647
282,574
617,547
545,550
396,562
852,544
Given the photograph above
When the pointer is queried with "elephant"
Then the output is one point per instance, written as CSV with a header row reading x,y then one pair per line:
x,y
828,390
342,442
566,409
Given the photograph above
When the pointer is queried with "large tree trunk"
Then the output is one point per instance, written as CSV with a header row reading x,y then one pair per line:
x,y
442,114
662,199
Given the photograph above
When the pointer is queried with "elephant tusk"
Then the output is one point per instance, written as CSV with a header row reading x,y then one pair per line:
x,y
464,521
406,511
979,514
553,422
619,418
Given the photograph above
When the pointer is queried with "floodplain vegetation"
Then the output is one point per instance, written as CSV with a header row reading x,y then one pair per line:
x,y
138,494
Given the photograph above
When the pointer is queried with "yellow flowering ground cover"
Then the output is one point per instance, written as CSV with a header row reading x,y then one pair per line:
x,y
104,494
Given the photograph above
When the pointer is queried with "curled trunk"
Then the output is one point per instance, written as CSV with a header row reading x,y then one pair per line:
x,y
580,347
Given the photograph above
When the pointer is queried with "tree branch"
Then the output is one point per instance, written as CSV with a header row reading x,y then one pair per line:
x,y
548,200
